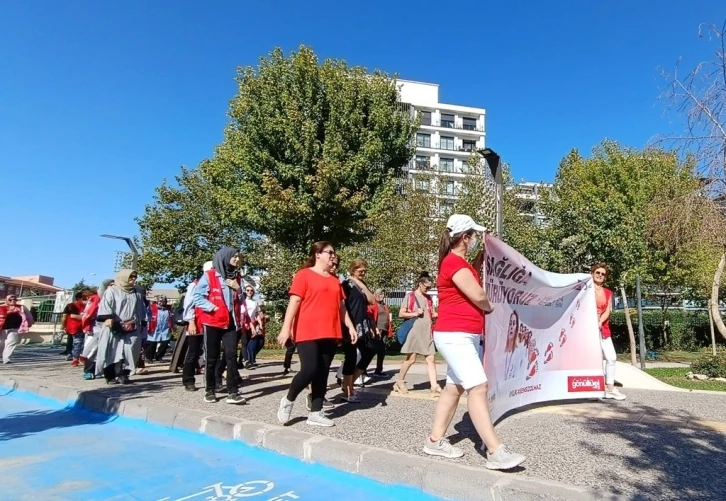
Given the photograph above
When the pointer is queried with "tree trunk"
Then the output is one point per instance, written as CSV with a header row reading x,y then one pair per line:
x,y
710,324
715,313
633,359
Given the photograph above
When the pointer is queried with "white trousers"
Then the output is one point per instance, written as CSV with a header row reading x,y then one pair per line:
x,y
608,352
8,341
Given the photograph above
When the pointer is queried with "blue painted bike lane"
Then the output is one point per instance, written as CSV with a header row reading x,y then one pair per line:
x,y
52,452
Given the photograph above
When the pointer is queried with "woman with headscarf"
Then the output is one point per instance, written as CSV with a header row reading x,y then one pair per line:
x,y
123,313
218,295
92,330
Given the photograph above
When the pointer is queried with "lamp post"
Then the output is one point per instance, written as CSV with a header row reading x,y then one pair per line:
x,y
130,243
493,160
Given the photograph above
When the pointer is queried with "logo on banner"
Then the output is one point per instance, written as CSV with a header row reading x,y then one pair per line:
x,y
585,383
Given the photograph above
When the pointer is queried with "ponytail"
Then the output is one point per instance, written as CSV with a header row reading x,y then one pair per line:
x,y
444,246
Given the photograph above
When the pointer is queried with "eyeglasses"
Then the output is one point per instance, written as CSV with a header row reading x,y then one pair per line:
x,y
600,273
331,253
11,299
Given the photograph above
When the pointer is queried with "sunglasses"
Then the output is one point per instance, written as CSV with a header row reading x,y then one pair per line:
x,y
600,273
13,299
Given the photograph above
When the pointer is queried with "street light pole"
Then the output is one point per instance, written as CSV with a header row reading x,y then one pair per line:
x,y
493,160
130,243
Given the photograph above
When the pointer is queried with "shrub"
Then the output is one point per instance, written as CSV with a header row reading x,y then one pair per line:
x,y
710,366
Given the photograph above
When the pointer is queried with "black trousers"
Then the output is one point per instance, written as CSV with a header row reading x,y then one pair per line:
x,y
194,348
380,349
156,350
288,354
315,359
244,339
351,355
216,339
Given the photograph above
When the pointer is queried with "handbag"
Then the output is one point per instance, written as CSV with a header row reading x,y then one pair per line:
x,y
403,331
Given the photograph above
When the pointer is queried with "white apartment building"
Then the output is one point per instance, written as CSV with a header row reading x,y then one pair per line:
x,y
448,136
531,193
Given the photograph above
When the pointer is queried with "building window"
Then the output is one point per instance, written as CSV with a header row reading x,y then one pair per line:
x,y
425,118
423,140
450,188
469,145
447,120
422,185
423,162
469,123
446,209
447,143
446,164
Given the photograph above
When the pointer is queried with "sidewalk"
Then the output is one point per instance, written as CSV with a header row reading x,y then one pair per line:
x,y
657,445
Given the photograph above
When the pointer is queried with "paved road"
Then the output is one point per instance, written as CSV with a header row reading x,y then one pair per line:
x,y
649,446
53,453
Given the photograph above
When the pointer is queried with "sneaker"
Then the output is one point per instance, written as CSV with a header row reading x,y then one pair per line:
x,y
285,411
442,448
190,387
614,395
75,363
327,404
88,376
378,375
503,459
352,399
124,379
220,389
69,358
319,419
210,397
236,399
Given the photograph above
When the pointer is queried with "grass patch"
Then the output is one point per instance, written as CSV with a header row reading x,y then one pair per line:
x,y
676,376
685,357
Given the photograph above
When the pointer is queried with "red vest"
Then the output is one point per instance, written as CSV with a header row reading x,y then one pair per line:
x,y
220,317
88,317
154,317
73,326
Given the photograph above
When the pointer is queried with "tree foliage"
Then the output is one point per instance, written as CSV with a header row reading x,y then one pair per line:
x,y
600,211
309,148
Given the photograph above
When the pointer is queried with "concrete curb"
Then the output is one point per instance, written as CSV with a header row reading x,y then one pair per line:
x,y
448,480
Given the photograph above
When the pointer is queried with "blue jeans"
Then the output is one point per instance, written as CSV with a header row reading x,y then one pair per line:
x,y
254,345
77,346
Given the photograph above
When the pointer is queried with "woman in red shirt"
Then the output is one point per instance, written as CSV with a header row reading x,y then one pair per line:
x,y
457,335
603,302
317,310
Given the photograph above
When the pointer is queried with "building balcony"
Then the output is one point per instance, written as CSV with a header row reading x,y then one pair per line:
x,y
448,124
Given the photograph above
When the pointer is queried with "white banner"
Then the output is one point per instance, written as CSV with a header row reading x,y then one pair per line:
x,y
542,340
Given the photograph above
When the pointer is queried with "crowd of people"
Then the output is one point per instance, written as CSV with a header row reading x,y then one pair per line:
x,y
115,331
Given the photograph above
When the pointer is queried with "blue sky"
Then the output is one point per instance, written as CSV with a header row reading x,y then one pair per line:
x,y
100,101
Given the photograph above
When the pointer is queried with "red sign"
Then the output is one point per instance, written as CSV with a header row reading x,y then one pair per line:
x,y
585,383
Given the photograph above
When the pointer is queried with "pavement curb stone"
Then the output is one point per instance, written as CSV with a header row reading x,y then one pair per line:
x,y
448,480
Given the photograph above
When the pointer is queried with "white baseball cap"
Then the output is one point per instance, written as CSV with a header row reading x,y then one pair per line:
x,y
460,223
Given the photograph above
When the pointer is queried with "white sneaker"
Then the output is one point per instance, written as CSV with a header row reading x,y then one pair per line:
x,y
442,448
353,399
614,395
319,419
503,459
284,413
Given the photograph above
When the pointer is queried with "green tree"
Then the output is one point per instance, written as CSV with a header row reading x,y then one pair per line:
x,y
309,148
600,212
184,226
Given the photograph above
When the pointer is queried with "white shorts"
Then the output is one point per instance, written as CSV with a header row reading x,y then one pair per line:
x,y
463,353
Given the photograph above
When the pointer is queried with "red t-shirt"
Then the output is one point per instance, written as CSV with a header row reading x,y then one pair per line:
x,y
319,313
456,312
74,326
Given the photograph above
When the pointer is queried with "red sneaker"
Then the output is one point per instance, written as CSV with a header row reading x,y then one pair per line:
x,y
83,359
75,363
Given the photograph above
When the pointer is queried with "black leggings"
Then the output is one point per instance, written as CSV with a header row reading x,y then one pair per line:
x,y
289,352
214,339
351,355
315,359
194,349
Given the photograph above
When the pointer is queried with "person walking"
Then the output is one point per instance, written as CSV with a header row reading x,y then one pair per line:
x,y
15,319
317,310
193,337
603,303
457,335
72,322
417,305
161,323
219,299
91,330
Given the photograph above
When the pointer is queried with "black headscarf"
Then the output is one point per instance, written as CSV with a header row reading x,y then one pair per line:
x,y
221,262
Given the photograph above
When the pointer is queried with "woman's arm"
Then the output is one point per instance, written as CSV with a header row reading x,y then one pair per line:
x,y
365,290
201,291
292,308
467,284
404,312
348,323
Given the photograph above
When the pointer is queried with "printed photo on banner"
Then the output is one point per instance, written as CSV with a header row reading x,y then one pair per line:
x,y
542,340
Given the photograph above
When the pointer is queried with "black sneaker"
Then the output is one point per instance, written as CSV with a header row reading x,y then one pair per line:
x,y
190,387
378,375
220,389
124,379
210,397
236,399
327,404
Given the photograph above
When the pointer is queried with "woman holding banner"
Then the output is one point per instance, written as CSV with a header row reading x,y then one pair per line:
x,y
457,335
603,301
